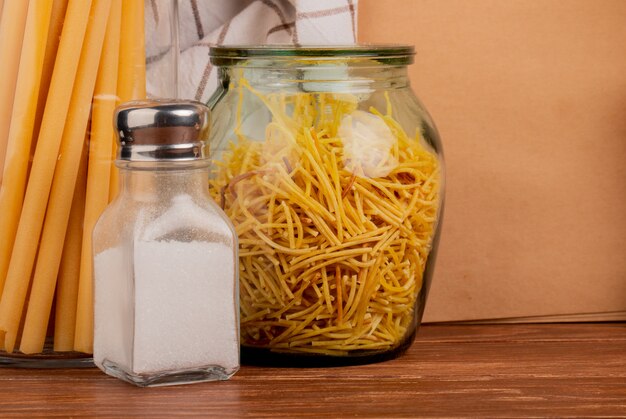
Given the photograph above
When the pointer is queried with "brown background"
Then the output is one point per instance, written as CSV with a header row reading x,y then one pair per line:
x,y
530,100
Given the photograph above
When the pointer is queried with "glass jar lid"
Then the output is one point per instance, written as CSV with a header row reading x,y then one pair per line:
x,y
383,54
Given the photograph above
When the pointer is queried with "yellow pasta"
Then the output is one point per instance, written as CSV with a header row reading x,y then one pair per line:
x,y
333,241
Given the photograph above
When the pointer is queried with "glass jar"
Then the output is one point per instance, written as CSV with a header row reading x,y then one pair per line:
x,y
66,65
332,173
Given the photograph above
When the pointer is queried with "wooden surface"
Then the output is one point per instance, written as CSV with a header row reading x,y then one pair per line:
x,y
574,370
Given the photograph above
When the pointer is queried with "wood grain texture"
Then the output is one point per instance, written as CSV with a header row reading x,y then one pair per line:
x,y
574,370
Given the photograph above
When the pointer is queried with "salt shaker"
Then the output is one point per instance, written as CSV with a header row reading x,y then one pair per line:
x,y
165,255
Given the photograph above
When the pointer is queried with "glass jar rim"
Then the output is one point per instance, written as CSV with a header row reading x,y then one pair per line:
x,y
390,54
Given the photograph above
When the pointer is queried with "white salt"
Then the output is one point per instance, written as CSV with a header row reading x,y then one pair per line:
x,y
180,314
113,303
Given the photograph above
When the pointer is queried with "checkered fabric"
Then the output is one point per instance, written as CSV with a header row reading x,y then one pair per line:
x,y
204,23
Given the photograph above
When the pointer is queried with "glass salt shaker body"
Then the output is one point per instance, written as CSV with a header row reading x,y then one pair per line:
x,y
166,292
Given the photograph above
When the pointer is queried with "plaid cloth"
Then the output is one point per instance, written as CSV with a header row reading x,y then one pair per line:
x,y
209,22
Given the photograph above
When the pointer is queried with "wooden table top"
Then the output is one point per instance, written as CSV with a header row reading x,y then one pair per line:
x,y
569,370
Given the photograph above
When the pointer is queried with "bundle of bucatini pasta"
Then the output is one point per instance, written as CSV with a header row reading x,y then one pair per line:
x,y
66,64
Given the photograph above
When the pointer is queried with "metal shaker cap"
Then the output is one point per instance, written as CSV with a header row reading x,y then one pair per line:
x,y
162,130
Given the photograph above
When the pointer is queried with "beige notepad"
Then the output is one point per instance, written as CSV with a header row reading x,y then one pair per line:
x,y
530,100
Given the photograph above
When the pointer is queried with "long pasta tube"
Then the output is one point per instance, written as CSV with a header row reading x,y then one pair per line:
x,y
38,189
12,24
99,163
59,7
131,84
63,185
69,271
22,123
